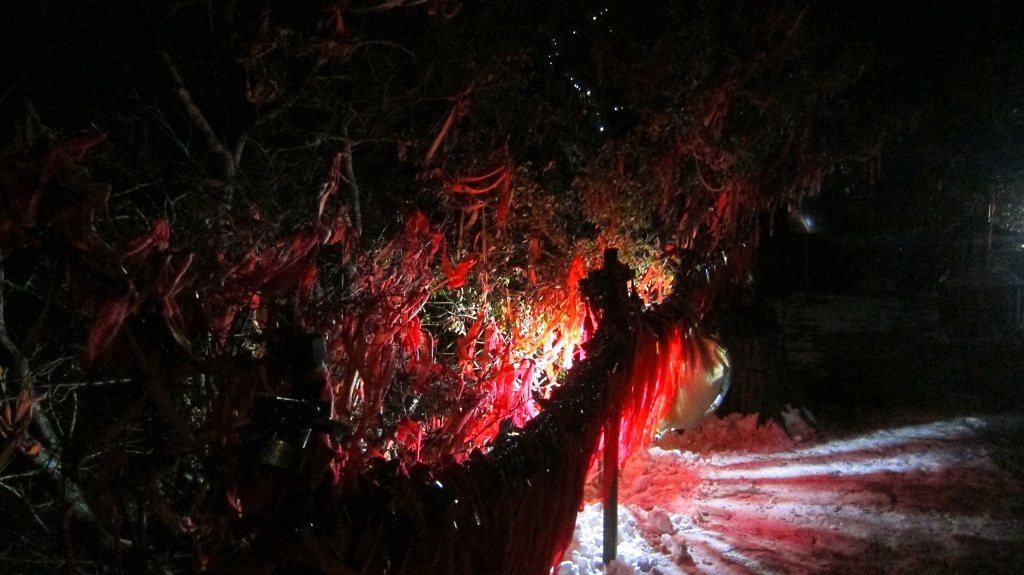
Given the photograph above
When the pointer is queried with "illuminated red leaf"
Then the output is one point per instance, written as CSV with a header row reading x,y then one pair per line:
x,y
416,226
233,500
504,199
330,187
72,150
411,336
572,322
107,323
335,21
157,239
455,276
32,448
459,109
466,345
475,185
534,250
176,323
409,434
309,276
169,284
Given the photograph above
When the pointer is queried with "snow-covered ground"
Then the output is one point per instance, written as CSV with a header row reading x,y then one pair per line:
x,y
734,498
916,490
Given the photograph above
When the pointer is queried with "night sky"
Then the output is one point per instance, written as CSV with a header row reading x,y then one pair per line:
x,y
953,72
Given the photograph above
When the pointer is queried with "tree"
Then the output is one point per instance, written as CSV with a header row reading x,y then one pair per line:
x,y
423,183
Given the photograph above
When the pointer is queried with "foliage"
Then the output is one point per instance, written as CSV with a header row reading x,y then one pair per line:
x,y
422,183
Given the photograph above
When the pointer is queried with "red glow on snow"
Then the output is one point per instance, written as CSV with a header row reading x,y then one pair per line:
x,y
732,498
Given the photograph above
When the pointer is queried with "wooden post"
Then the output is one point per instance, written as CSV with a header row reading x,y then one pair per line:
x,y
608,291
619,275
611,490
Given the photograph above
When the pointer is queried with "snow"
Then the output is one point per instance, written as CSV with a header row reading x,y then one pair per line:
x,y
916,467
735,498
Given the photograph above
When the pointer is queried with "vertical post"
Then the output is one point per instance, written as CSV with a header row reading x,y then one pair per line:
x,y
608,291
619,276
610,482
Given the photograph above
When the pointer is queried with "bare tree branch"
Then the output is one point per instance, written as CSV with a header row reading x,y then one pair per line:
x,y
353,185
31,509
289,97
21,371
195,115
50,463
46,455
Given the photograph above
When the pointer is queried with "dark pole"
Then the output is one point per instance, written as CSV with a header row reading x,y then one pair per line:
x,y
608,291
611,490
618,275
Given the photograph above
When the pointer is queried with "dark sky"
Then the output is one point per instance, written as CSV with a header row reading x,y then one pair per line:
x,y
71,56
971,41
957,66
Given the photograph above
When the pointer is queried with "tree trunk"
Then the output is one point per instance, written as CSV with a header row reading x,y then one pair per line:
x,y
761,381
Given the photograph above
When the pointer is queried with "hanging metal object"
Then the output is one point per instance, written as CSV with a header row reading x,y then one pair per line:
x,y
282,427
287,424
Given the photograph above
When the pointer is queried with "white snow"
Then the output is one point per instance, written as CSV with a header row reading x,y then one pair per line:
x,y
734,498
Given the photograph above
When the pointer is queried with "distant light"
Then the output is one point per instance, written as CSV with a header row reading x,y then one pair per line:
x,y
803,222
600,128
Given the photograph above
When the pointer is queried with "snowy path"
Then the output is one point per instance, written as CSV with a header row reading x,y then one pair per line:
x,y
916,468
916,499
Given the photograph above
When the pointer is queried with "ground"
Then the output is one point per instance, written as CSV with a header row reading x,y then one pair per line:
x,y
914,462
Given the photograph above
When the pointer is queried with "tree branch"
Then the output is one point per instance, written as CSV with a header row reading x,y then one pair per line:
x,y
196,116
47,455
21,371
289,97
50,463
350,175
